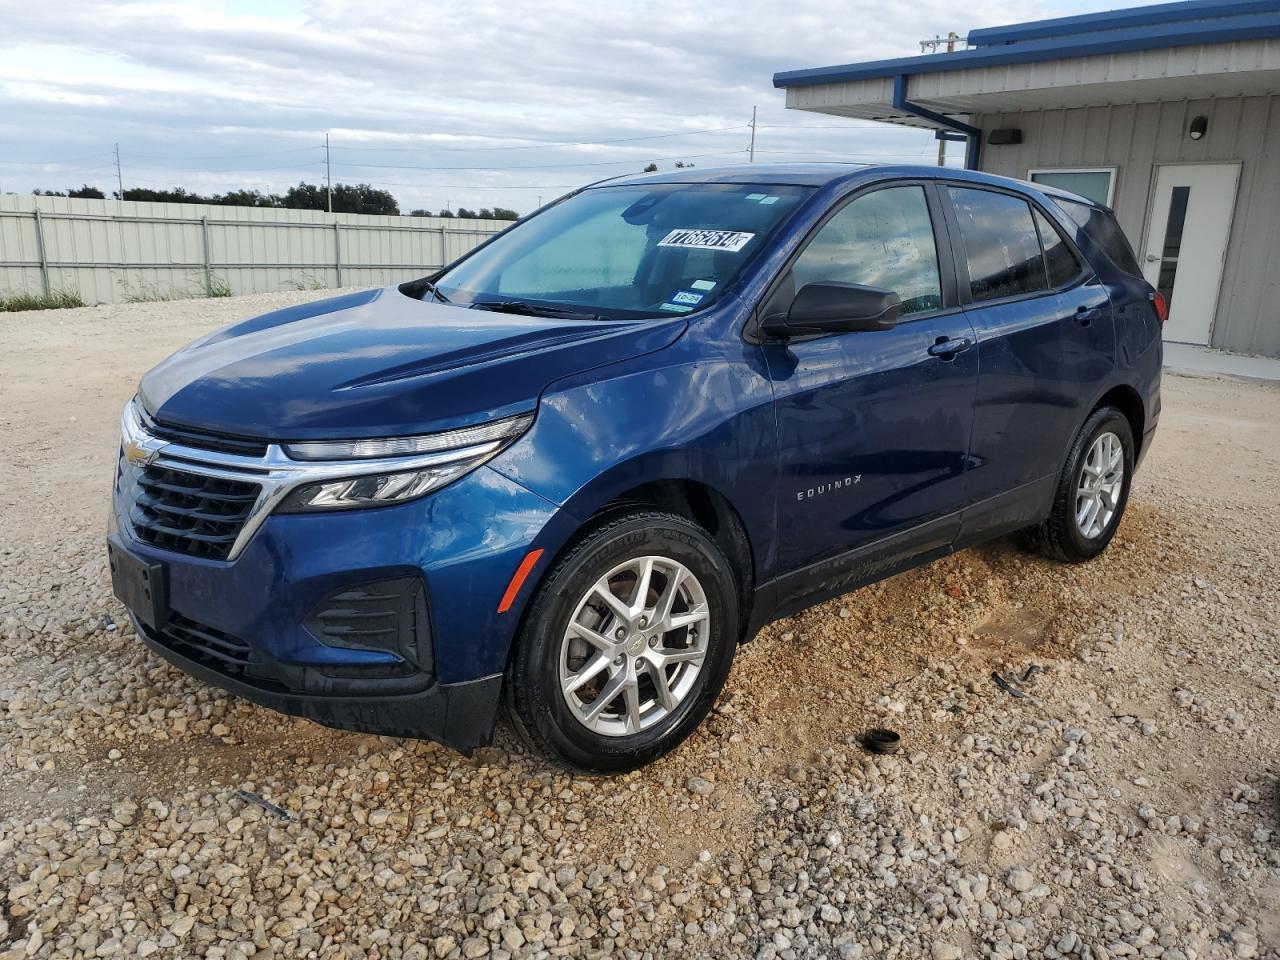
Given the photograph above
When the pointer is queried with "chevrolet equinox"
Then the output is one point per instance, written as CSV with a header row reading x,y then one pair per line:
x,y
569,473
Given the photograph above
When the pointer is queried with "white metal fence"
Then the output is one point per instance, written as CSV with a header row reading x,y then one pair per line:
x,y
110,251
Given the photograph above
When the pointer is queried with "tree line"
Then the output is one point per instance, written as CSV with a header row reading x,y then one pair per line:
x,y
347,198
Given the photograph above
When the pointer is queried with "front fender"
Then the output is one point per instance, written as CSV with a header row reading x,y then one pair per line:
x,y
677,417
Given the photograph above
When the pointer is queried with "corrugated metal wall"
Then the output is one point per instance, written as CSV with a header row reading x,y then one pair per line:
x,y
109,251
1135,138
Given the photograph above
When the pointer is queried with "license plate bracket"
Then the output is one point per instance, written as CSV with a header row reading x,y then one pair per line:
x,y
139,585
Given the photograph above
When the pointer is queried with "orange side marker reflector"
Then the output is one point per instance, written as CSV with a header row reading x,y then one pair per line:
x,y
518,578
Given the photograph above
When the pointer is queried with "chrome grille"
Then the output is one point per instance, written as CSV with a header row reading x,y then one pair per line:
x,y
190,513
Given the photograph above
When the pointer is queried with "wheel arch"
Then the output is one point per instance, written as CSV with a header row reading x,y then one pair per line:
x,y
1129,402
694,499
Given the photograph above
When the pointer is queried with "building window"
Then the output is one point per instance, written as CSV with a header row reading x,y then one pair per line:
x,y
1095,183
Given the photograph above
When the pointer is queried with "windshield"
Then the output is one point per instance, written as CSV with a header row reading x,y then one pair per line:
x,y
643,250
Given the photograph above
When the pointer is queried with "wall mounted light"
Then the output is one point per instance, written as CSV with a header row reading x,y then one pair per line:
x,y
1199,127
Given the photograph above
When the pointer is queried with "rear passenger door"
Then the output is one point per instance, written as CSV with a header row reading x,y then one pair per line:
x,y
1046,343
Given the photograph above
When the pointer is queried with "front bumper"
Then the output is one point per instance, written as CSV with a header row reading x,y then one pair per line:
x,y
249,624
459,715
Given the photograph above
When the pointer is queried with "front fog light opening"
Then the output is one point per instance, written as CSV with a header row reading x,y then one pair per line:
x,y
372,491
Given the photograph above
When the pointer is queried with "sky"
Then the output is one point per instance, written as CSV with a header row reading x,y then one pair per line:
x,y
469,103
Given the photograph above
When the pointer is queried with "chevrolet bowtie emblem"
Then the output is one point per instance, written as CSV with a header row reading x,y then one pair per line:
x,y
142,452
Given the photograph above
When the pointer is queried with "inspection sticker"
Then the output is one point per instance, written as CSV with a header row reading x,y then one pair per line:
x,y
730,240
688,296
703,284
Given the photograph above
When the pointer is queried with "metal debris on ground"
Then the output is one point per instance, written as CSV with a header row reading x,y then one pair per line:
x,y
280,812
1007,687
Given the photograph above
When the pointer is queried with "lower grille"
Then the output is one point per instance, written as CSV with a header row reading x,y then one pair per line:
x,y
190,513
219,650
231,657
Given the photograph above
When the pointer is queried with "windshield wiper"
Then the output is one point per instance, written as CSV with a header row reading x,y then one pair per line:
x,y
533,310
432,289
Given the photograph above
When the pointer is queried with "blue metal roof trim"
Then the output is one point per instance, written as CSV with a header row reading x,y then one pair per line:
x,y
1164,35
1148,16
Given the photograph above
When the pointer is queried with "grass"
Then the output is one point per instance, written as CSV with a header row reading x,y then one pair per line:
x,y
309,281
217,287
57,300
148,292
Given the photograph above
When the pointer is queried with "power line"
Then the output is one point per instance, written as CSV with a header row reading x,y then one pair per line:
x,y
840,153
289,166
549,144
547,166
56,163
226,156
852,125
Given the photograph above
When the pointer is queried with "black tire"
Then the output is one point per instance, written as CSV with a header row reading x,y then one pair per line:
x,y
535,704
1059,536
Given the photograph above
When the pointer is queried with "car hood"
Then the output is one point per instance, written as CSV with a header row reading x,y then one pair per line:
x,y
380,363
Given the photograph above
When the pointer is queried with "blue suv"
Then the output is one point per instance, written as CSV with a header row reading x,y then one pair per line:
x,y
569,473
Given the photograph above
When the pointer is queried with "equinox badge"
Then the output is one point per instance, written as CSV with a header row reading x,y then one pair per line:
x,y
828,487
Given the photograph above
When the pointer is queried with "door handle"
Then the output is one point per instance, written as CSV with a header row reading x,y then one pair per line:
x,y
947,347
1086,315
1152,258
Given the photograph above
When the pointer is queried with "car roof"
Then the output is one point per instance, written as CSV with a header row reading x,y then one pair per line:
x,y
825,174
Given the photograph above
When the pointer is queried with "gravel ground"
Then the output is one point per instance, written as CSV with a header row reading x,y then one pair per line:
x,y
1125,807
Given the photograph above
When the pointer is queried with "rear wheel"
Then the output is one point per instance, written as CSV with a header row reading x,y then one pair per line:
x,y
1092,491
625,645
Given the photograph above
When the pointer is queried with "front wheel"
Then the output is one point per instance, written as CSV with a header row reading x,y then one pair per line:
x,y
1092,491
626,644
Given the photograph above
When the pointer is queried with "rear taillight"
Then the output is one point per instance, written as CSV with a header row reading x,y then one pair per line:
x,y
1161,305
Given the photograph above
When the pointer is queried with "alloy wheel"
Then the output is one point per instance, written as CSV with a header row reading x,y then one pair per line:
x,y
1099,486
634,646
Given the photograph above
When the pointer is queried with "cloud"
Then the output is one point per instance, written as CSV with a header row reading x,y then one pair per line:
x,y
451,101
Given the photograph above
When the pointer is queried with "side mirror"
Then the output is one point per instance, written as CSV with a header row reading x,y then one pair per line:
x,y
835,308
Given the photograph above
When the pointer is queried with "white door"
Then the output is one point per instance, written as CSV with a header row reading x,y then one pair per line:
x,y
1187,243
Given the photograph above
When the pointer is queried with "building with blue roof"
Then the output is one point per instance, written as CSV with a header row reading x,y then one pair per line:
x,y
1168,113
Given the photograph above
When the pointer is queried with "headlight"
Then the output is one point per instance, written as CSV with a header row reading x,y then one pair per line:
x,y
499,430
433,461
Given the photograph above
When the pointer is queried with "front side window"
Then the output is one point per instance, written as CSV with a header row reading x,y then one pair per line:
x,y
882,239
641,250
1001,245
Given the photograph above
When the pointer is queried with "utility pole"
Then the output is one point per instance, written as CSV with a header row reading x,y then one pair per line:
x,y
751,157
951,39
119,176
328,174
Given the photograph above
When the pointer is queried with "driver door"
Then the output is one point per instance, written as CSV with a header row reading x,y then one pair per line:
x,y
873,426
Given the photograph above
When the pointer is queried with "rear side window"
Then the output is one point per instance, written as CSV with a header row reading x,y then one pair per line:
x,y
1061,263
1100,226
882,239
1001,244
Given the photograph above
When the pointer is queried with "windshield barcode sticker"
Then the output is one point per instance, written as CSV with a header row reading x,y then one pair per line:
x,y
729,240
